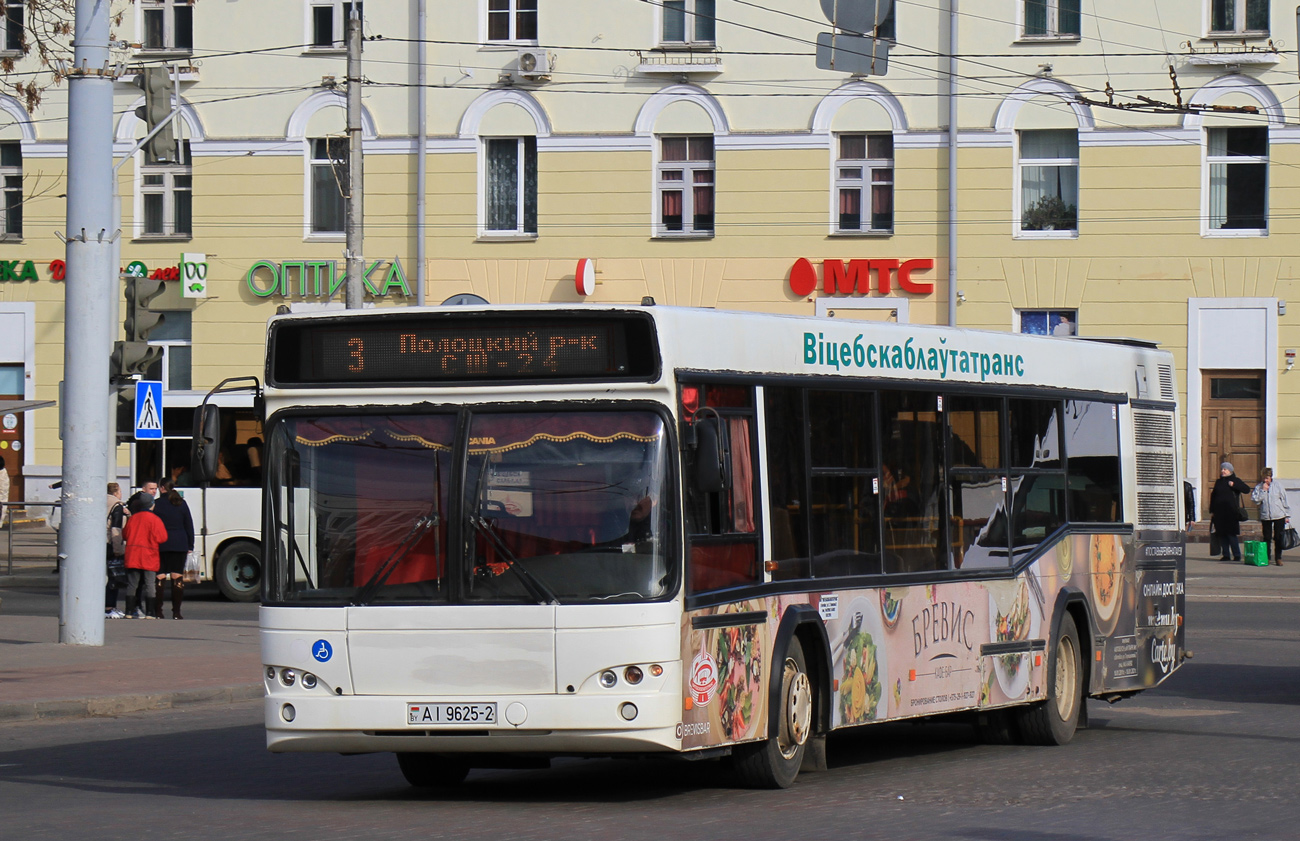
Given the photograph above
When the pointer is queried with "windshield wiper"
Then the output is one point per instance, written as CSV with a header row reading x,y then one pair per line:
x,y
409,541
532,584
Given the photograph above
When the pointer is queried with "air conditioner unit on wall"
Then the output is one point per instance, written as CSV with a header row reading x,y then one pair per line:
x,y
533,63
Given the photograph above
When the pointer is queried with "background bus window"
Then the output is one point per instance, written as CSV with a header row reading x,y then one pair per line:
x,y
723,526
977,482
844,512
911,453
787,469
240,454
1092,453
1038,480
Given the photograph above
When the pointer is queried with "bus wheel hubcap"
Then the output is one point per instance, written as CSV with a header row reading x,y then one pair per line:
x,y
1066,674
797,718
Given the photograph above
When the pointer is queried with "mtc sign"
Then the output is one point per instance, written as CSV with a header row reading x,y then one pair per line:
x,y
854,276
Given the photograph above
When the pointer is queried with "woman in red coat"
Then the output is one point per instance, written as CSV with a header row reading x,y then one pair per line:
x,y
143,534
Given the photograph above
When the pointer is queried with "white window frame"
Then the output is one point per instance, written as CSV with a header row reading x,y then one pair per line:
x,y
341,10
1053,32
1018,327
1018,193
167,345
687,187
1239,22
7,172
513,12
19,6
521,186
689,40
168,8
308,194
1207,161
167,189
864,183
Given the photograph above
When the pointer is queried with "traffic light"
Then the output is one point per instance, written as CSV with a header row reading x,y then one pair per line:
x,y
157,109
135,355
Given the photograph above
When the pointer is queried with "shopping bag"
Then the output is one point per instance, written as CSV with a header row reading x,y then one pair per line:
x,y
1242,514
191,568
117,573
1290,538
1215,548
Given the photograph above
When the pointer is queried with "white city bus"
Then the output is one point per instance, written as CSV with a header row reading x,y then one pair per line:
x,y
499,535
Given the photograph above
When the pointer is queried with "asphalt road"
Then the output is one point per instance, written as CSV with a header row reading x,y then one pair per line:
x,y
1209,755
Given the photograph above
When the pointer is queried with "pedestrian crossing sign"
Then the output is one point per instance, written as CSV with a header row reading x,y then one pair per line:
x,y
148,410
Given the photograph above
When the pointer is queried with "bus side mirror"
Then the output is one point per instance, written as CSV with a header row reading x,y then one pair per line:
x,y
712,456
205,446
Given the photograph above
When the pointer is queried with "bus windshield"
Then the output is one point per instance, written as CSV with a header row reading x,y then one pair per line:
x,y
557,507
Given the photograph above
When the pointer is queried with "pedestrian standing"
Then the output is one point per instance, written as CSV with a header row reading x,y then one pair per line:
x,y
144,533
1225,510
4,489
1274,512
115,551
176,518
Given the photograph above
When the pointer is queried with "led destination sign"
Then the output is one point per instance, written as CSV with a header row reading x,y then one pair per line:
x,y
460,348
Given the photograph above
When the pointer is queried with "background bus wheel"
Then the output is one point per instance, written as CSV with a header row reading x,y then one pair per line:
x,y
432,770
774,763
1053,722
238,571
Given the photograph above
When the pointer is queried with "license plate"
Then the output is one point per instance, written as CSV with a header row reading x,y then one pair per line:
x,y
451,713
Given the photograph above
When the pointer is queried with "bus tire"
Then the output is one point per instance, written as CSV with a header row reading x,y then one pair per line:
x,y
1053,722
238,571
432,770
774,763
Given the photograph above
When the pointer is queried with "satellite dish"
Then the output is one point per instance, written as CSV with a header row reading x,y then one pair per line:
x,y
465,299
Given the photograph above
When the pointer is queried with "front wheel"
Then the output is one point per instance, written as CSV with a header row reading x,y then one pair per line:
x,y
238,571
1053,722
431,770
774,763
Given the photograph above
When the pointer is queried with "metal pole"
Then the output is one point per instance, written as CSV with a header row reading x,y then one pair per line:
x,y
952,163
113,312
354,294
421,162
87,340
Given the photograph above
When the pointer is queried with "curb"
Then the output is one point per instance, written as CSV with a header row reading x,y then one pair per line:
x,y
114,705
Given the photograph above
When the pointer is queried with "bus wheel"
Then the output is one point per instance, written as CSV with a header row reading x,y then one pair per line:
x,y
238,571
774,763
432,770
1053,722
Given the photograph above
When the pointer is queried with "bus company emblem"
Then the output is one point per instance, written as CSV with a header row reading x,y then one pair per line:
x,y
704,678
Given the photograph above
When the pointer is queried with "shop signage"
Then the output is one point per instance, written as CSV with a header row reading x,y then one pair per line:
x,y
322,278
854,276
19,270
193,272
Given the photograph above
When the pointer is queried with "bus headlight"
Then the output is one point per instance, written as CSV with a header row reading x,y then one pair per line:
x,y
633,675
608,679
308,680
288,676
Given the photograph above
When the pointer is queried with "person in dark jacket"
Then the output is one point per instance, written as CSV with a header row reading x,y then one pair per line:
x,y
175,514
1224,508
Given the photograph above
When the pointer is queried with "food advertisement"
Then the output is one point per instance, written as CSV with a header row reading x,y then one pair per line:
x,y
903,652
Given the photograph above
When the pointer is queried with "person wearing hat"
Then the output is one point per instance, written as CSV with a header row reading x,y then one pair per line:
x,y
143,534
1225,508
1274,512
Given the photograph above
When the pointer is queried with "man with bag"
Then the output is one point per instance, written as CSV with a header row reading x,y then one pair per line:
x,y
1274,512
115,550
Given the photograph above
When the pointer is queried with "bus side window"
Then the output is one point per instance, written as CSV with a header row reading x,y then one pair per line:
x,y
1092,461
787,469
1038,505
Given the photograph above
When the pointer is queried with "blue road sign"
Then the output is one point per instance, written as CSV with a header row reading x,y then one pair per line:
x,y
148,410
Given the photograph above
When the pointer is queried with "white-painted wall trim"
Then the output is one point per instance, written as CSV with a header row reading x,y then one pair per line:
x,y
1236,83
824,114
1196,366
14,109
902,305
1005,118
658,101
297,127
477,110
130,123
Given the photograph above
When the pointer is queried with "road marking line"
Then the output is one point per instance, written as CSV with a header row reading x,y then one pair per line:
x,y
1207,597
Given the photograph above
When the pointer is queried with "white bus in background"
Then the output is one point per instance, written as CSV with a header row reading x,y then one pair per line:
x,y
499,535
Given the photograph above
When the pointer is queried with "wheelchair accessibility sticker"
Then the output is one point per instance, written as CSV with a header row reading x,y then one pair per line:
x,y
322,651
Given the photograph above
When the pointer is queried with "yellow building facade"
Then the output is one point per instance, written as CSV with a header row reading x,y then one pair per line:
x,y
693,151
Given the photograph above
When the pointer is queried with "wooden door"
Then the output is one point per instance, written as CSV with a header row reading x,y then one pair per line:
x,y
1232,427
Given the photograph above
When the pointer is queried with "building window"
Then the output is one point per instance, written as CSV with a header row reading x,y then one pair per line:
x,y
688,22
1049,181
684,185
1052,19
166,196
11,174
512,20
175,335
329,24
864,173
510,186
167,25
1237,164
329,184
1049,322
1235,17
15,33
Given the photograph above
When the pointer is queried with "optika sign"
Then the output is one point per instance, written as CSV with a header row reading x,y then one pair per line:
x,y
840,278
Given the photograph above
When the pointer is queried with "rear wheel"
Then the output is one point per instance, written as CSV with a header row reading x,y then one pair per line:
x,y
1053,722
432,770
238,571
774,763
